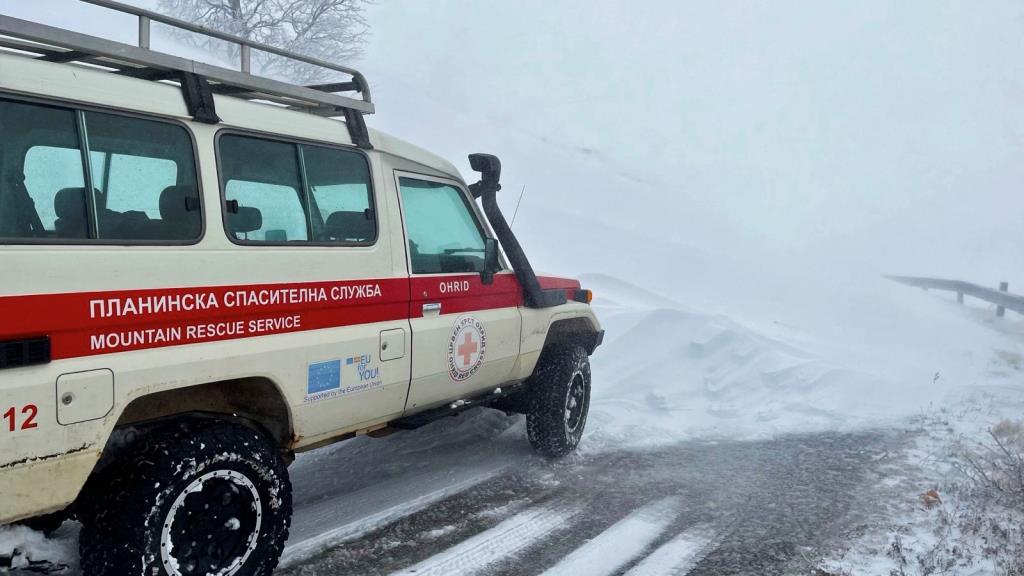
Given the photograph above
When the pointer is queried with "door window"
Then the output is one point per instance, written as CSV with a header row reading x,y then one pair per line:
x,y
264,175
339,183
279,192
444,236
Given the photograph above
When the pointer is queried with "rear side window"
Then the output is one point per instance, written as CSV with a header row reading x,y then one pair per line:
x,y
339,184
72,176
288,193
263,190
144,179
40,157
47,171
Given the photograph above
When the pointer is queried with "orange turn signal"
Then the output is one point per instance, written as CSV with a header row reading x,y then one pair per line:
x,y
584,296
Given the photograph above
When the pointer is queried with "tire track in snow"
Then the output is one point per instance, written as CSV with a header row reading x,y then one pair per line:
x,y
678,556
498,543
299,551
618,545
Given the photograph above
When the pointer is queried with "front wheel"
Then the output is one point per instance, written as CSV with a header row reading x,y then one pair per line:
x,y
560,390
196,499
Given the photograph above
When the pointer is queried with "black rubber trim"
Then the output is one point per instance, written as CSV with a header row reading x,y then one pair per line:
x,y
25,352
199,98
357,129
455,408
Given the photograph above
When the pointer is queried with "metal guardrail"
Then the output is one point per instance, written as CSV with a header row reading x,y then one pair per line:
x,y
1001,297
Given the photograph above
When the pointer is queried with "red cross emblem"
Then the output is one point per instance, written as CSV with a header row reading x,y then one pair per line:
x,y
467,348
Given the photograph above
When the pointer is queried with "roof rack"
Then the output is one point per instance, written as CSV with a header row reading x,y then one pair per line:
x,y
199,81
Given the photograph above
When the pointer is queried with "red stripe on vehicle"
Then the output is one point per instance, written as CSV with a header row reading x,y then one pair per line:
x,y
90,323
464,293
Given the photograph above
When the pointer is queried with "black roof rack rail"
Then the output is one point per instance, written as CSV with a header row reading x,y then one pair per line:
x,y
199,81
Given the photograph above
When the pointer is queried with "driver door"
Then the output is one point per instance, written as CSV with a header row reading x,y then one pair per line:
x,y
465,334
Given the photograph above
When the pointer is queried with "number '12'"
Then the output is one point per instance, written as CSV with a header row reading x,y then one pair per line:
x,y
29,411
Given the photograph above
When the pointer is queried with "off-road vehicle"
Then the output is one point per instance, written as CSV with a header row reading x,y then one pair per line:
x,y
204,271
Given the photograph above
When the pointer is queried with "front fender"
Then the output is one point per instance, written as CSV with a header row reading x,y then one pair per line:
x,y
572,321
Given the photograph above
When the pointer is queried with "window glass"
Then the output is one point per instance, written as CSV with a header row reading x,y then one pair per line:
x,y
42,184
262,177
341,198
144,183
133,182
48,171
145,179
443,232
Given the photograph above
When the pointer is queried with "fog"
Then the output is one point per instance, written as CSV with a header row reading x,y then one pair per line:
x,y
866,137
881,136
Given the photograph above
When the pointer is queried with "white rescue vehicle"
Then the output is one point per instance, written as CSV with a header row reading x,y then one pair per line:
x,y
204,271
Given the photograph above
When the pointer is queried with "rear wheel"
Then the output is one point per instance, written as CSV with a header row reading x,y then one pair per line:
x,y
560,401
203,498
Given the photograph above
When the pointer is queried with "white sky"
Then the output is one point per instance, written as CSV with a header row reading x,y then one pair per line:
x,y
885,133
878,136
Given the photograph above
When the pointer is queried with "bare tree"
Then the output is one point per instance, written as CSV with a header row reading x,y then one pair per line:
x,y
332,30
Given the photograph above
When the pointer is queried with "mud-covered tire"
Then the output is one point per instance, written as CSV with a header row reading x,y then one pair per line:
x,y
197,498
560,401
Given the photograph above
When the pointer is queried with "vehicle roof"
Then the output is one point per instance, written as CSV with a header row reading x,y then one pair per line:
x,y
81,84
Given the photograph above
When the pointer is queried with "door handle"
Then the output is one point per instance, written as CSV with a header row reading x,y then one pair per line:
x,y
432,308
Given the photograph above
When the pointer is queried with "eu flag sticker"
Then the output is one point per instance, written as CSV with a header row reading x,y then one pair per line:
x,y
324,376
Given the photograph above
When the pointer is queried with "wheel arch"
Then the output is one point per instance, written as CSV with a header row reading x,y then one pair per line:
x,y
580,330
254,401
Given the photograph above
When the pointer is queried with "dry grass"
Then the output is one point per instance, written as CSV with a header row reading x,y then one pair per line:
x,y
981,519
971,524
996,469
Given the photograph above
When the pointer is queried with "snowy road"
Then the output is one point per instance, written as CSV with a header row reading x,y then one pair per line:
x,y
693,508
467,496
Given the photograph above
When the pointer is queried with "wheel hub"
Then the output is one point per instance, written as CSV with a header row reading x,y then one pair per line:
x,y
575,403
213,526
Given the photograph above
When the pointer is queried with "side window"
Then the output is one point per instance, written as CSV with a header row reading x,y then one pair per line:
x,y
443,232
339,184
56,183
144,177
42,186
263,190
141,184
277,192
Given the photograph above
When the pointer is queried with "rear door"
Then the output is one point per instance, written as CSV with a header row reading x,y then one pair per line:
x,y
465,334
305,218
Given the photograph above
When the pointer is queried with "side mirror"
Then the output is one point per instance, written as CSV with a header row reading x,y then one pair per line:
x,y
491,264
